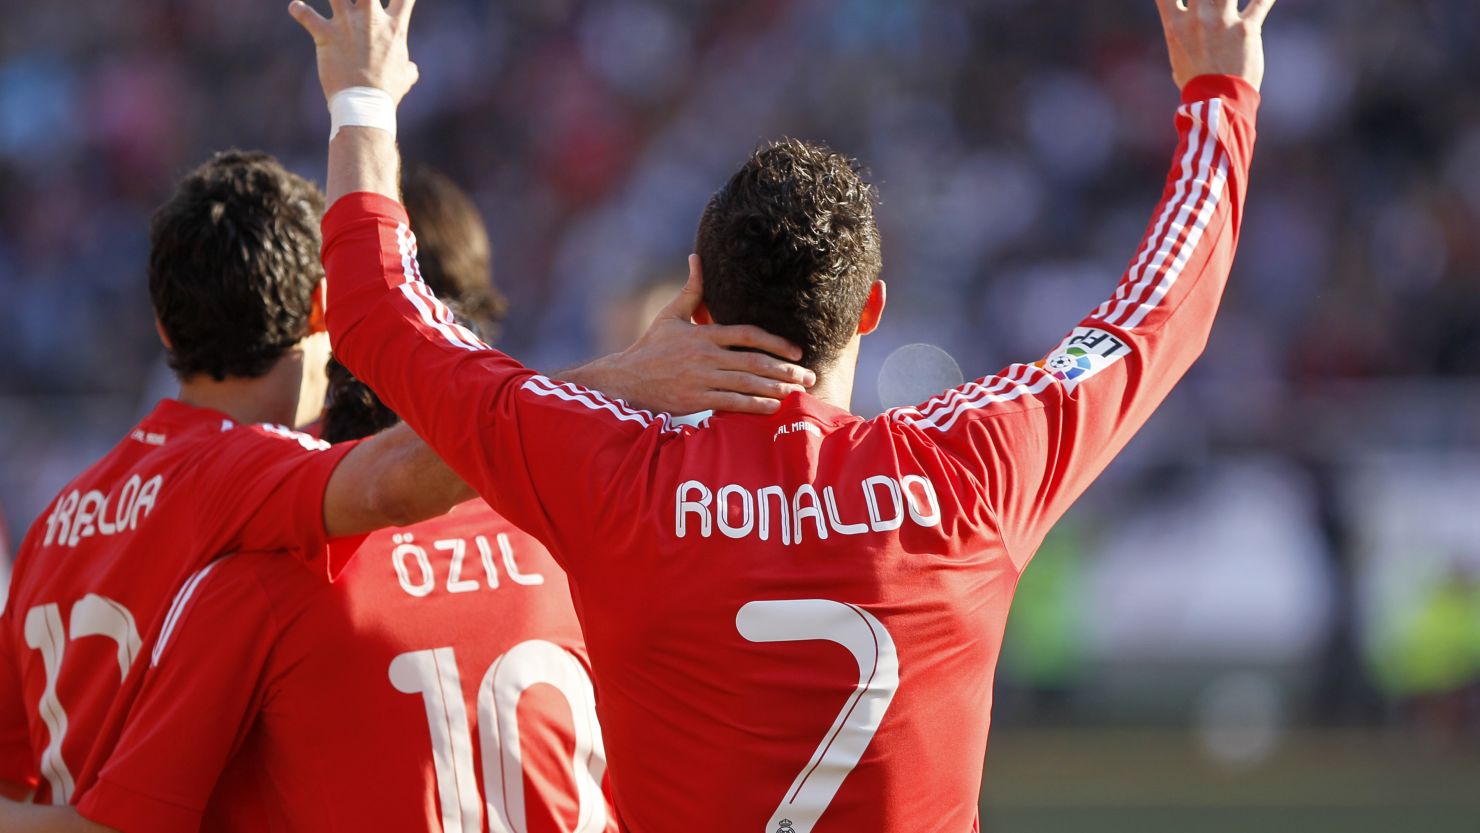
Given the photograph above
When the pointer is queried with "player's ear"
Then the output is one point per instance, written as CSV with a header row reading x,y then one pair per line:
x,y
317,323
873,309
164,337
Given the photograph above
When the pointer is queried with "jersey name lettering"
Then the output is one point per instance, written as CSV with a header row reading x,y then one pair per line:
x,y
878,504
78,515
467,557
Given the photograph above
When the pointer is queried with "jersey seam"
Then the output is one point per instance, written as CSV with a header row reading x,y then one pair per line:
x,y
141,794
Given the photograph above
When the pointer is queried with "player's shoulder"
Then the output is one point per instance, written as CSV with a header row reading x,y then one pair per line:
x,y
256,589
247,449
572,398
271,435
259,576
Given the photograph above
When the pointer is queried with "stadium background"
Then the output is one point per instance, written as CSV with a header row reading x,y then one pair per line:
x,y
1265,616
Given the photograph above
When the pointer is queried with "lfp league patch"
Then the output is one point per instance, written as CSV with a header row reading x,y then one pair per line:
x,y
1085,352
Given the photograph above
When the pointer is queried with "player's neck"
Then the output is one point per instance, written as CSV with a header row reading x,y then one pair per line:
x,y
835,383
272,397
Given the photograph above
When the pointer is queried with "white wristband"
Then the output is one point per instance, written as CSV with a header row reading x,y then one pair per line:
x,y
362,107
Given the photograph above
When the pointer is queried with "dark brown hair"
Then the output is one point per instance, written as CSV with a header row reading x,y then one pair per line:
x,y
789,244
233,264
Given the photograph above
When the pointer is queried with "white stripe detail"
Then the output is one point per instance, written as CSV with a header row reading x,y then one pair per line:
x,y
1134,308
308,442
1006,389
544,386
955,396
1194,237
1137,273
445,316
1196,197
1186,216
432,311
177,609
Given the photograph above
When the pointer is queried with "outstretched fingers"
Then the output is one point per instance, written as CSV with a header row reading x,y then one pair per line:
x,y
401,9
1258,10
1169,9
314,23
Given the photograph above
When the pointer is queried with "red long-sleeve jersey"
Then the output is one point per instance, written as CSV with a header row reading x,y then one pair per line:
x,y
793,620
94,576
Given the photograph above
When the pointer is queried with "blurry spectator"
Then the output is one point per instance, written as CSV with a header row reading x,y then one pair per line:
x,y
1435,667
621,322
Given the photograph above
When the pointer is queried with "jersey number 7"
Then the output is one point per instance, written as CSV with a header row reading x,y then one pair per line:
x,y
433,674
865,637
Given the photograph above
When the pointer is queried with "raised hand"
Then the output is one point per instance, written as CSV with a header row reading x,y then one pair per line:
x,y
362,45
1212,37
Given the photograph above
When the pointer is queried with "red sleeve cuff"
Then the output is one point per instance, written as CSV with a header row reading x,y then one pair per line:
x,y
129,811
1239,94
358,206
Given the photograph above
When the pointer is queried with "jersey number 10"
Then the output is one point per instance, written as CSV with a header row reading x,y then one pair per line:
x,y
433,674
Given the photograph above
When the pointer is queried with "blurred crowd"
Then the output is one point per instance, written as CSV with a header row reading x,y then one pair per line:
x,y
1018,145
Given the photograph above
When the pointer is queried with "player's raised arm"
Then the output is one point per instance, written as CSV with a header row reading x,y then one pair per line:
x,y
397,337
1042,432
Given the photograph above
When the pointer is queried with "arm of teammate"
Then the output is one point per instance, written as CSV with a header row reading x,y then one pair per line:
x,y
538,450
1038,434
273,488
206,682
16,817
391,479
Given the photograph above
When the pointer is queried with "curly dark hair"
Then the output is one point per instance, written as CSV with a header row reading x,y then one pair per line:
x,y
452,245
233,263
352,410
790,244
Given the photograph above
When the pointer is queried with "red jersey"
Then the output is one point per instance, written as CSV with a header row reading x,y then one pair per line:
x,y
793,620
440,680
97,570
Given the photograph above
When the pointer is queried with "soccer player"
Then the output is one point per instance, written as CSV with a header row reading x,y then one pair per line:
x,y
792,619
233,274
232,278
446,656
